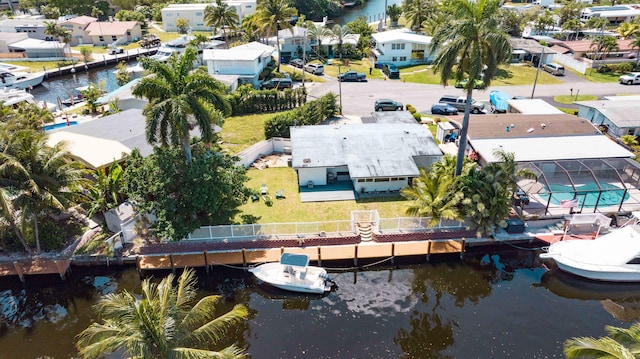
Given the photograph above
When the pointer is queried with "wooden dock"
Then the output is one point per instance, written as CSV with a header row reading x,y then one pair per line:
x,y
354,252
35,266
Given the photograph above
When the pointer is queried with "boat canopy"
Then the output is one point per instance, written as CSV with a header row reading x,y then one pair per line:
x,y
293,259
499,100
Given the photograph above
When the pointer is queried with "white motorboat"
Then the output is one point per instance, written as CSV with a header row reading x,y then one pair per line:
x,y
12,97
293,273
613,257
20,80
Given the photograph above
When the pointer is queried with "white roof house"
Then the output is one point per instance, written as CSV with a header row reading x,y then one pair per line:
x,y
247,61
615,14
34,28
532,107
39,48
618,116
398,46
380,156
194,13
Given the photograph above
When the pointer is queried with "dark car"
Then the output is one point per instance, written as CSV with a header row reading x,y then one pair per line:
x,y
277,83
388,105
297,63
352,76
391,71
443,109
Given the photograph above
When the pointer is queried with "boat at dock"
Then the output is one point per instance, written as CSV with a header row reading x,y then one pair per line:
x,y
613,257
293,273
13,97
20,80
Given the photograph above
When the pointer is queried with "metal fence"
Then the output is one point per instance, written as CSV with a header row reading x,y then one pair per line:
x,y
415,224
279,230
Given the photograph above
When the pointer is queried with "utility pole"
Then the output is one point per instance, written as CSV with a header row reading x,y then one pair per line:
x,y
340,88
537,71
385,13
304,54
595,57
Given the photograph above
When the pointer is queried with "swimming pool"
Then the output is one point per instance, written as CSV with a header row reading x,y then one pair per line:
x,y
587,193
60,125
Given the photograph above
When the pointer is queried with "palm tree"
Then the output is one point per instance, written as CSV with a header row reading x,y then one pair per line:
x,y
40,177
627,30
619,343
432,195
573,25
394,11
250,28
341,34
471,46
417,11
57,31
316,33
108,189
635,44
162,322
180,100
603,45
543,22
221,16
274,15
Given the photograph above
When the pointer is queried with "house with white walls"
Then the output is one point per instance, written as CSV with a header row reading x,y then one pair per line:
x,y
615,115
294,40
246,61
382,156
401,47
76,27
194,13
104,33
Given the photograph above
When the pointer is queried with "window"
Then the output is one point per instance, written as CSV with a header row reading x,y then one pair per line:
x,y
382,180
114,38
403,58
128,33
394,59
198,13
101,38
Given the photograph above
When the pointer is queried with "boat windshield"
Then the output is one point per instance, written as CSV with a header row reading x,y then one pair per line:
x,y
296,260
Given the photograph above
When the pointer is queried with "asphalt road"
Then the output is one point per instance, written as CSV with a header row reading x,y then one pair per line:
x,y
358,97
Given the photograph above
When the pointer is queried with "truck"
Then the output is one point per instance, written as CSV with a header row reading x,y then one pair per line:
x,y
352,76
459,102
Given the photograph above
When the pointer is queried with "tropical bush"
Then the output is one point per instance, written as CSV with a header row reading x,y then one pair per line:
x,y
311,113
617,68
97,246
248,101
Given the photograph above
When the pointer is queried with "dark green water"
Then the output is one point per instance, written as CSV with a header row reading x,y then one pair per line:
x,y
506,307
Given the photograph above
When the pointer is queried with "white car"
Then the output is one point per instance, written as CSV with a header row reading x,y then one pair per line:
x,y
630,78
316,69
115,50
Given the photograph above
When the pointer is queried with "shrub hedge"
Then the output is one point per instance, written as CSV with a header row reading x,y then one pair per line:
x,y
311,113
246,100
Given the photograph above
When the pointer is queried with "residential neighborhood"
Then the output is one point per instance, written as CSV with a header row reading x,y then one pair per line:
x,y
236,167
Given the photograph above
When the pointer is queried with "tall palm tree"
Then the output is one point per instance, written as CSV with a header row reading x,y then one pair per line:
x,y
57,31
221,16
316,33
433,195
162,323
180,100
41,178
619,343
635,44
471,46
394,11
250,28
108,189
603,45
341,34
417,11
274,15
627,30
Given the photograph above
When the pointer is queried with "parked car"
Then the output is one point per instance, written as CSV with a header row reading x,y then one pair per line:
x,y
477,83
388,105
297,63
278,83
630,78
459,102
115,50
316,69
554,69
391,71
352,76
443,109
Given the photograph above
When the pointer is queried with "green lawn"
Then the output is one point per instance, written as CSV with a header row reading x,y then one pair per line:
x,y
331,70
240,132
296,74
506,76
598,77
568,99
37,66
290,209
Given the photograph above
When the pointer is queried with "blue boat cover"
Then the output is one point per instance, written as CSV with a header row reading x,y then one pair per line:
x,y
499,100
293,259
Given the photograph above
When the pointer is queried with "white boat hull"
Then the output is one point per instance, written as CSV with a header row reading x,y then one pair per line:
x,y
614,257
28,80
277,275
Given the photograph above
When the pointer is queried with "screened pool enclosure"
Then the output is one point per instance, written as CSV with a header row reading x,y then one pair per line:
x,y
579,186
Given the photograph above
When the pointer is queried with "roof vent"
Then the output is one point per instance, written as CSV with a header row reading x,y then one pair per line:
x,y
306,160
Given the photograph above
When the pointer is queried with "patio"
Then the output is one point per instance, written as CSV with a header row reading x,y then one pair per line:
x,y
337,191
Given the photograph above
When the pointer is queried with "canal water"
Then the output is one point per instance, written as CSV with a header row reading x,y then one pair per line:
x,y
489,305
63,86
372,10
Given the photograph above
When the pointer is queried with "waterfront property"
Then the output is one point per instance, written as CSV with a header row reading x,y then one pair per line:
x,y
77,27
373,157
401,47
106,33
194,13
245,61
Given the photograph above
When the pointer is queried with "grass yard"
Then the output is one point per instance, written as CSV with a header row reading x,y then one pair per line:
x,y
597,77
506,76
240,132
568,99
164,36
296,74
37,66
290,209
363,66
